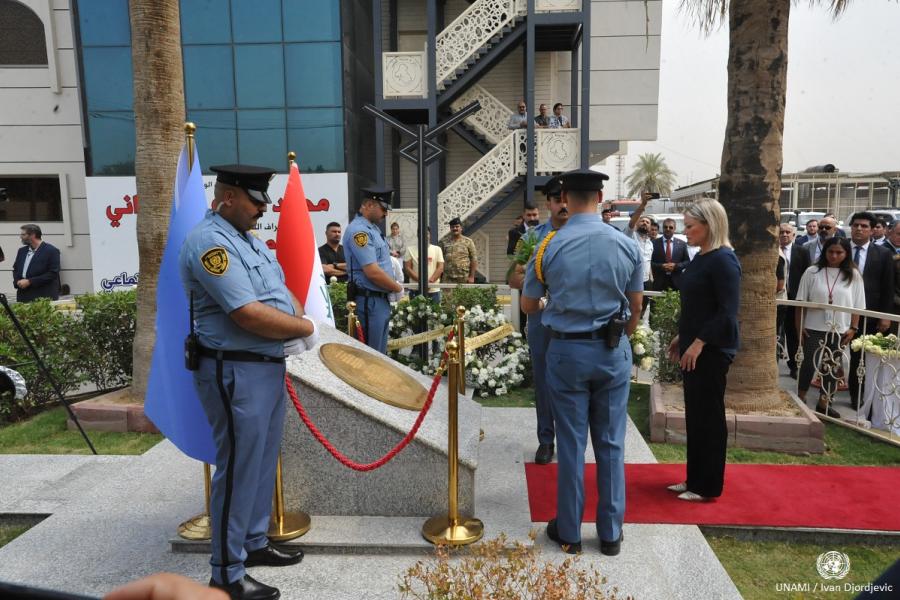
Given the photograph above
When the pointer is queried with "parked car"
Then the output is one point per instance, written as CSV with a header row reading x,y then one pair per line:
x,y
888,215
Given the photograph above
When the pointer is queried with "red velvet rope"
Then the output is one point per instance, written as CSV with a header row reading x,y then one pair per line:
x,y
359,333
344,460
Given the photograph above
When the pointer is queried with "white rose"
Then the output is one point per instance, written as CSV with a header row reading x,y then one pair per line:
x,y
639,349
483,394
646,363
491,383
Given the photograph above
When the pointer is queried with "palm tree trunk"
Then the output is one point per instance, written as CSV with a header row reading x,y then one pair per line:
x,y
159,119
750,186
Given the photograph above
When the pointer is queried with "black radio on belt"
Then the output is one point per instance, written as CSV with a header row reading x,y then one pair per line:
x,y
351,289
615,328
192,344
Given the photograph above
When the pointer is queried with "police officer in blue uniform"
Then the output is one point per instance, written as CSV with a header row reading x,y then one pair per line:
x,y
593,275
537,333
246,321
369,263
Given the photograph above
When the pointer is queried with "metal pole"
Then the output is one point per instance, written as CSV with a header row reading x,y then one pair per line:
x,y
461,337
351,319
199,526
423,212
285,525
452,528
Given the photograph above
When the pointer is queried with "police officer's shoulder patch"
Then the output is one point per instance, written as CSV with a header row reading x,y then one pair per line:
x,y
215,261
361,238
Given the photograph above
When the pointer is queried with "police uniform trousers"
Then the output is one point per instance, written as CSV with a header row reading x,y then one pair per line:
x,y
589,384
244,402
538,339
374,314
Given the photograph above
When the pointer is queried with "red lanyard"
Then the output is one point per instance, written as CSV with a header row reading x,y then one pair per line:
x,y
831,286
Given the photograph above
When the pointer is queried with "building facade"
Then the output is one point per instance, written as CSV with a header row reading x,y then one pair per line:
x,y
266,77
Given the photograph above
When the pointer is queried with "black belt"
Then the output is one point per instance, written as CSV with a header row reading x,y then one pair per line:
x,y
360,291
597,334
239,355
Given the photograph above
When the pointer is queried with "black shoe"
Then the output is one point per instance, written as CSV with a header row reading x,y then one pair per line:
x,y
544,454
247,588
270,556
567,547
612,548
828,411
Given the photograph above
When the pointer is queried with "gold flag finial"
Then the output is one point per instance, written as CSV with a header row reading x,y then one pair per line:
x,y
292,156
189,129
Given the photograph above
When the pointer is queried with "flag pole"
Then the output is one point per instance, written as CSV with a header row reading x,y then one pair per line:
x,y
189,129
285,525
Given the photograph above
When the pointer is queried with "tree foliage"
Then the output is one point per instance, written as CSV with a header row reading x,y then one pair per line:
x,y
651,173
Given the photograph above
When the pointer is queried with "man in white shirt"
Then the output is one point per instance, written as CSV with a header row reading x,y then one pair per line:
x,y
435,266
639,229
519,120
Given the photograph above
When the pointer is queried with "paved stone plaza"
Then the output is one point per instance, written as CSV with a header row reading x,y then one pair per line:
x,y
111,520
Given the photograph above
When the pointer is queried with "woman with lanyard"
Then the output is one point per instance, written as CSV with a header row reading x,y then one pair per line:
x,y
824,334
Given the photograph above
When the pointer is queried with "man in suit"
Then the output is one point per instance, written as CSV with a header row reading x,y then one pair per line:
x,y
531,218
668,259
36,269
812,228
786,330
876,264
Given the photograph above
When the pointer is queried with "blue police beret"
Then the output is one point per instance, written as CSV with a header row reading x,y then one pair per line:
x,y
253,180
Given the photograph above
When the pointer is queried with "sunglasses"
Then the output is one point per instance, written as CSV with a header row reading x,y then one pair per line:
x,y
826,228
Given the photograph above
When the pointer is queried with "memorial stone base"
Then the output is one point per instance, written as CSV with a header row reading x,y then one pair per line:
x,y
414,483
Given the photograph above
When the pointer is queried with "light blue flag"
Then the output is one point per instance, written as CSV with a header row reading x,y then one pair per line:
x,y
172,402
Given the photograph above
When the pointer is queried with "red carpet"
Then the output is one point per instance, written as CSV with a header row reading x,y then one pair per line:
x,y
755,495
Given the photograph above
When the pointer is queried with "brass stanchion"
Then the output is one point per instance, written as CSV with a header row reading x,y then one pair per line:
x,y
199,527
285,525
452,528
461,336
351,319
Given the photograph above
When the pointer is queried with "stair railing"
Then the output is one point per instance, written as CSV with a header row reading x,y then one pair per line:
x,y
492,120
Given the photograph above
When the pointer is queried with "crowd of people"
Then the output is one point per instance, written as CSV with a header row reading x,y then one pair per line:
x,y
543,120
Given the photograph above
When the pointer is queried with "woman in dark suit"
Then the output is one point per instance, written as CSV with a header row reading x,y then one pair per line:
x,y
707,341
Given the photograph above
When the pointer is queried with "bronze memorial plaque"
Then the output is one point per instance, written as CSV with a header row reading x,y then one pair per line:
x,y
373,376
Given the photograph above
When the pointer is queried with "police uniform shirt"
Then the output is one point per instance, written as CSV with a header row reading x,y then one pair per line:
x,y
227,269
585,265
363,245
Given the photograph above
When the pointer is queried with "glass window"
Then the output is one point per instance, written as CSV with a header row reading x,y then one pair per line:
x,y
259,76
257,21
205,22
22,40
104,22
317,136
112,142
313,73
108,78
208,76
31,199
216,137
881,195
261,138
312,21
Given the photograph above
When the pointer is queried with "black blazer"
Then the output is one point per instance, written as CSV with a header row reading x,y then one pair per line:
x,y
878,279
43,273
661,279
512,238
801,259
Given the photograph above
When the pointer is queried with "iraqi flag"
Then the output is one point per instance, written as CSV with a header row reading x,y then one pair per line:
x,y
298,252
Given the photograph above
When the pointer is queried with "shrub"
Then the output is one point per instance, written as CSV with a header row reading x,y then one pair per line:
x,y
492,570
338,293
108,322
664,314
469,297
58,344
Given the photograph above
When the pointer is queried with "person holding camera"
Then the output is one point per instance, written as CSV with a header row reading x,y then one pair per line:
x,y
247,322
593,274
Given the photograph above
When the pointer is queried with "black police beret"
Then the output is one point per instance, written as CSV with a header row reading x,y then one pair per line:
x,y
454,221
254,180
583,180
379,193
553,187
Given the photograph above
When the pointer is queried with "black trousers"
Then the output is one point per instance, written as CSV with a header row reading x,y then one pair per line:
x,y
787,332
704,416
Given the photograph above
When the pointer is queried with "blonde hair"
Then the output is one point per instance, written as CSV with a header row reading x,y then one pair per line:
x,y
710,212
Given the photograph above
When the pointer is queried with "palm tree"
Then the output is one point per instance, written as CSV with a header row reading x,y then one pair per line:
x,y
750,183
651,173
159,118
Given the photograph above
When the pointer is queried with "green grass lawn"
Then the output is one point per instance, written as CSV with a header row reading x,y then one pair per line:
x,y
756,567
842,446
10,532
46,433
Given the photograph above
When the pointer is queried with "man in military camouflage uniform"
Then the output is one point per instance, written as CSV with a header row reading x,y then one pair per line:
x,y
460,258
